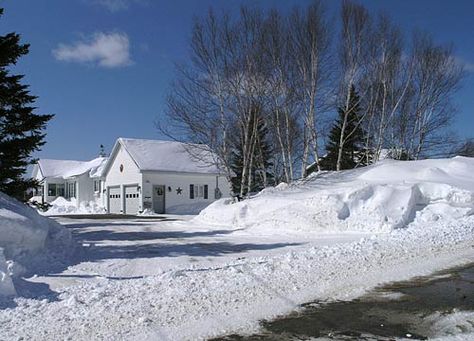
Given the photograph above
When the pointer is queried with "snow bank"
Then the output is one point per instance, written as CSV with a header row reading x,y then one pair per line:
x,y
28,241
6,285
386,196
61,206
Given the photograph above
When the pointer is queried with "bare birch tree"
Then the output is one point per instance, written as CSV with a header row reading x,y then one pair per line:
x,y
429,108
310,43
355,35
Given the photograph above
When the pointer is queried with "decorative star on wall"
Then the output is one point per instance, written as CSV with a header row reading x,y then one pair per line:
x,y
179,190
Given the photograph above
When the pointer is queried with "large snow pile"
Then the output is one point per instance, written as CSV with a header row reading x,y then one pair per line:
x,y
28,241
61,206
379,198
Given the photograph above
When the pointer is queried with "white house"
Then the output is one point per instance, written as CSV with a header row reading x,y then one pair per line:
x,y
81,180
161,177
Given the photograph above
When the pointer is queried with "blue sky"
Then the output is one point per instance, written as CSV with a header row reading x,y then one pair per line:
x,y
122,93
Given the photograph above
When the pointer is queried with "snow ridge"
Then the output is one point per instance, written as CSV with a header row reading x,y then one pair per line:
x,y
376,199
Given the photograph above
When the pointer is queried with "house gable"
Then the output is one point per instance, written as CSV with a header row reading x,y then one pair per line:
x,y
121,168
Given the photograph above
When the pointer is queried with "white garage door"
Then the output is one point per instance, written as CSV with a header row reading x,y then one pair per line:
x,y
131,199
115,200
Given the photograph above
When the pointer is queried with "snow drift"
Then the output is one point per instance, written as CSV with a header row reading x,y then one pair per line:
x,y
28,241
62,206
379,198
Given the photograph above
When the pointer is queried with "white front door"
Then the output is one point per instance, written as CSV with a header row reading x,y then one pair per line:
x,y
115,200
131,199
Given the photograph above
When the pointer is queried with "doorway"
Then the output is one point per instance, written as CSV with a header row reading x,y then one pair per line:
x,y
159,199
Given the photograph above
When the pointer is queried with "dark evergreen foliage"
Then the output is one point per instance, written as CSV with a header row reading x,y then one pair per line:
x,y
21,130
353,150
262,156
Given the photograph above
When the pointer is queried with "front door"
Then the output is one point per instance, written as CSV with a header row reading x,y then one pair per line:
x,y
159,198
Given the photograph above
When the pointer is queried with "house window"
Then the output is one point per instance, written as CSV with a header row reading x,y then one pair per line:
x,y
55,190
71,190
51,190
60,190
201,191
198,191
96,186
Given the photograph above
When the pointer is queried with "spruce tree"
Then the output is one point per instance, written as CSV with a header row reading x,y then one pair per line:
x,y
262,159
21,130
353,147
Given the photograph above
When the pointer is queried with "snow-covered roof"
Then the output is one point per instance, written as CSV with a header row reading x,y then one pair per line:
x,y
68,168
169,156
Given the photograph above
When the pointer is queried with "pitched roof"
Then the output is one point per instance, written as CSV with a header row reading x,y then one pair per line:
x,y
67,168
170,156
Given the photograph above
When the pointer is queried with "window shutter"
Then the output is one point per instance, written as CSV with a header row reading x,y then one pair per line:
x,y
191,191
206,191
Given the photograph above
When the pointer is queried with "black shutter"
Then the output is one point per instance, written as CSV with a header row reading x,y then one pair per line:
x,y
206,192
191,191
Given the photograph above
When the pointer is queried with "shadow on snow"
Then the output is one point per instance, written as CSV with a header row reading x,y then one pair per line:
x,y
165,244
214,249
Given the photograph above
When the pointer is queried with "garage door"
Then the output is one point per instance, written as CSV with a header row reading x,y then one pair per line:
x,y
115,200
131,199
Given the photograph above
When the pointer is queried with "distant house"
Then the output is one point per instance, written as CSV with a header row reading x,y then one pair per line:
x,y
79,180
161,177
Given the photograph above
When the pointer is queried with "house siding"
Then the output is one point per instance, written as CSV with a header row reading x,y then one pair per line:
x,y
179,203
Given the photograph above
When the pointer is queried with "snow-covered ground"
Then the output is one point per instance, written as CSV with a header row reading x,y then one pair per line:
x,y
334,236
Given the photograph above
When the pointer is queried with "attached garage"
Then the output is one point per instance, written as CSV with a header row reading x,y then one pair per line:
x,y
162,177
132,199
115,200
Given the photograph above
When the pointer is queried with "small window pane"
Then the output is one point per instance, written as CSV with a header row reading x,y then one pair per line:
x,y
60,190
51,190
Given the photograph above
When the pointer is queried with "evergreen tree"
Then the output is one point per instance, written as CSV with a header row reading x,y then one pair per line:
x,y
21,131
262,160
353,147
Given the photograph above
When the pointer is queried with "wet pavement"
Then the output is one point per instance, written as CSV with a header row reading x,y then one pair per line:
x,y
400,310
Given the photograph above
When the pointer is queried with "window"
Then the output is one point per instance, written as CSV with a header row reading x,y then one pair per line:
x,y
60,190
71,190
96,186
198,191
55,190
51,190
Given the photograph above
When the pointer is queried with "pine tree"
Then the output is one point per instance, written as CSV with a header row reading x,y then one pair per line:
x,y
353,147
263,152
262,156
21,131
